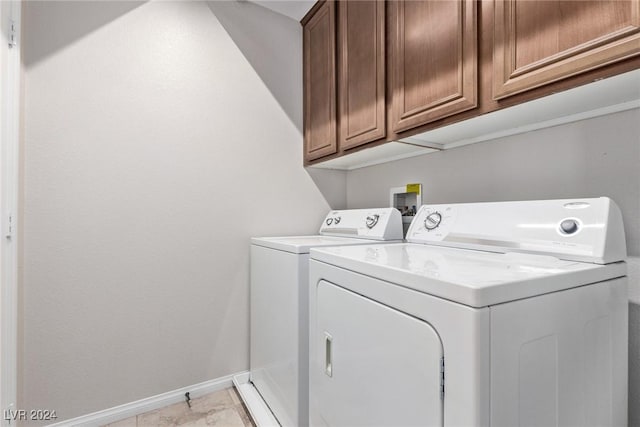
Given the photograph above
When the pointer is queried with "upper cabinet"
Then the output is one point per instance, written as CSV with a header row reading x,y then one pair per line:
x,y
320,82
380,71
361,62
539,42
433,61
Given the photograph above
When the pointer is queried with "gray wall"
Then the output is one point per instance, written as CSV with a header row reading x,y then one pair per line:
x,y
153,150
590,158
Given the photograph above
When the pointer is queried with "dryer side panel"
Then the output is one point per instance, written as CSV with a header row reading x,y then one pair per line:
x,y
378,366
561,358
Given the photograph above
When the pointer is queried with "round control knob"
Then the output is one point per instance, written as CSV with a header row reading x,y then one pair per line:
x,y
372,221
432,221
569,226
329,221
337,220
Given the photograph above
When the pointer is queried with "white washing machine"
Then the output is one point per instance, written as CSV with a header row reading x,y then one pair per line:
x,y
279,309
494,314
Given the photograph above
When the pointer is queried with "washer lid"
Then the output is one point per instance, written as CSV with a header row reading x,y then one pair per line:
x,y
470,277
345,227
302,244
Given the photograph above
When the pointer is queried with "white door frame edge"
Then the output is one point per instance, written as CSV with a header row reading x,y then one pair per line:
x,y
10,63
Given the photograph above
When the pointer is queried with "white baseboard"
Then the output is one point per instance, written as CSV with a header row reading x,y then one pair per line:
x,y
260,412
141,406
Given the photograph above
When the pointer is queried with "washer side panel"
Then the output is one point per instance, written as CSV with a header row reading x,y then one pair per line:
x,y
274,358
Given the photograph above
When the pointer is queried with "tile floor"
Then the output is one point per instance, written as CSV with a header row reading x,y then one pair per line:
x,y
222,408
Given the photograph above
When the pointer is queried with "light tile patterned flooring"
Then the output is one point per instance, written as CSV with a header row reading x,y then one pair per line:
x,y
222,408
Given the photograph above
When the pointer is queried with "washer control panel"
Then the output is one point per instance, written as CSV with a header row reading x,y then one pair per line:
x,y
588,230
373,224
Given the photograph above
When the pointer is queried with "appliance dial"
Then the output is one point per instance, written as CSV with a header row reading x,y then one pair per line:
x,y
569,226
372,220
337,220
329,221
432,221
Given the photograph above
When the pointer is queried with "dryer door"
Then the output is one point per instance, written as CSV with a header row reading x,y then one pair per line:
x,y
379,366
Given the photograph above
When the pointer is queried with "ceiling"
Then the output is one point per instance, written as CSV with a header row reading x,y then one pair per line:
x,y
294,9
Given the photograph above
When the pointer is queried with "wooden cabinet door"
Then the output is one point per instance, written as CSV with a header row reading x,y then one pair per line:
x,y
320,83
361,62
539,42
433,60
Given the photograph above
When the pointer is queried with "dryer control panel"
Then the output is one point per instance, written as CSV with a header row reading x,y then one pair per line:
x,y
589,230
372,224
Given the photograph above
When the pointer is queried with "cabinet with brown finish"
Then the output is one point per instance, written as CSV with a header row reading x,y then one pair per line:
x,y
539,42
379,71
433,61
319,44
361,63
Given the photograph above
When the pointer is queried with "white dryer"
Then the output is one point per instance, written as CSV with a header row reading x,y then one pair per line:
x,y
494,314
279,308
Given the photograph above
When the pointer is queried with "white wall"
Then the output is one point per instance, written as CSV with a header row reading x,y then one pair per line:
x,y
153,150
590,158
